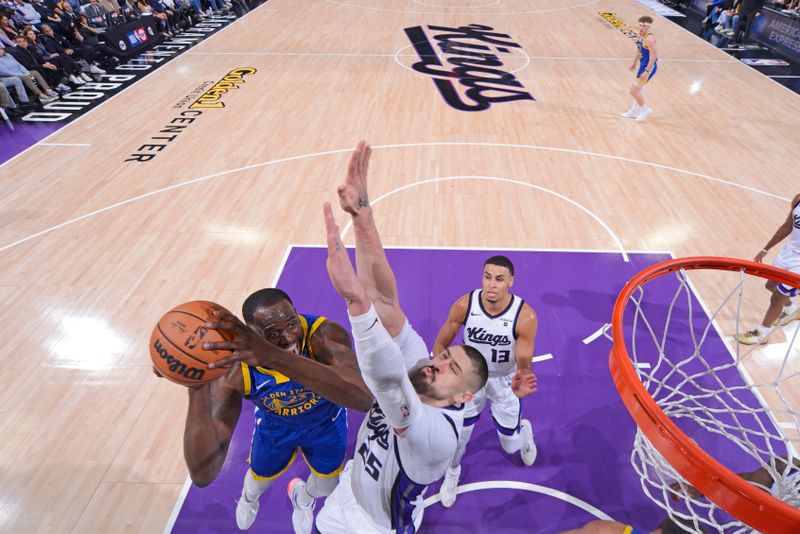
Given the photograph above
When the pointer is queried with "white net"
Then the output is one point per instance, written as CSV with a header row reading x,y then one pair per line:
x,y
739,403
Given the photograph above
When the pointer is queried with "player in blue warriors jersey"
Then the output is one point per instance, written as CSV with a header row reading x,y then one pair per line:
x,y
645,65
306,374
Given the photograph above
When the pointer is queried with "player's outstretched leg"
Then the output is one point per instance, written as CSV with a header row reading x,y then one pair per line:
x,y
247,507
303,496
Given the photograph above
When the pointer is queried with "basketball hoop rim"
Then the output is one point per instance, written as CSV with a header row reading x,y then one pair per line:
x,y
722,486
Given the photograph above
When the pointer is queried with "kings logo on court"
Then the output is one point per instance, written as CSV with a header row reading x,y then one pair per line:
x,y
465,64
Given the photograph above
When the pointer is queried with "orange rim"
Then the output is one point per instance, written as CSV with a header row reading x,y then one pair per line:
x,y
722,486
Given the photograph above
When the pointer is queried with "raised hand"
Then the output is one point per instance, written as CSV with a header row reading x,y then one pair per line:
x,y
353,193
340,270
523,384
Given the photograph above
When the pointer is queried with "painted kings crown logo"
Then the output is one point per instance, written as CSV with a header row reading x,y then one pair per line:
x,y
474,78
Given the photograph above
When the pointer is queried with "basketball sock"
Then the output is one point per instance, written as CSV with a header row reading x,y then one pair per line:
x,y
253,488
316,487
762,330
634,108
463,439
790,308
510,444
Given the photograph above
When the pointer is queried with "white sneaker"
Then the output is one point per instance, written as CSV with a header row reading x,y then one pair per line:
x,y
85,77
528,450
643,114
787,318
94,69
246,512
631,113
753,337
447,493
302,516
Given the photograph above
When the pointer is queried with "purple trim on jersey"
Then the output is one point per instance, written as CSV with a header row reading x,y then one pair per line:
x,y
452,423
509,431
514,324
404,494
469,308
489,315
469,421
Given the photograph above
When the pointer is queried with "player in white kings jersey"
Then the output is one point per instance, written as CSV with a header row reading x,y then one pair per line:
x,y
503,328
408,437
781,310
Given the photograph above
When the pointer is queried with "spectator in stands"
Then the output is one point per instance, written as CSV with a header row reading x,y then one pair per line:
x,y
29,59
27,13
54,45
10,67
161,8
69,19
66,67
725,20
747,11
47,13
86,38
8,30
111,6
13,82
95,13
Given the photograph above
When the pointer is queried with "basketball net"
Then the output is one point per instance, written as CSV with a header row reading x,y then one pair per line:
x,y
701,416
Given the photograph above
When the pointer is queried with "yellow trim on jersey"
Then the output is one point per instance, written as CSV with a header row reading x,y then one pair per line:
x,y
246,377
312,330
628,529
273,477
280,378
321,475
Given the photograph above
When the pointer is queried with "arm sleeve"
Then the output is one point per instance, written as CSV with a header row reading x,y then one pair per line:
x,y
383,370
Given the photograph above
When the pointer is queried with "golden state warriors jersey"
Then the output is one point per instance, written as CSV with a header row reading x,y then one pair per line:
x,y
644,52
278,397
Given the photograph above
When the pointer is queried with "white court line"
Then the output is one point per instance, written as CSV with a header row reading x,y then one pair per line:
x,y
505,180
178,505
542,358
456,7
397,54
525,486
372,8
64,144
347,150
506,249
643,365
597,333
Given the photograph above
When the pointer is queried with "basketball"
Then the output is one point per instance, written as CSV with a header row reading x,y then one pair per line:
x,y
176,345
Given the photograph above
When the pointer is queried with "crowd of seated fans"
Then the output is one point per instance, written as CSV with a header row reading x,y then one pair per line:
x,y
51,47
728,22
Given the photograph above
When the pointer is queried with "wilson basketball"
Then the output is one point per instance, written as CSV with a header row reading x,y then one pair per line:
x,y
176,345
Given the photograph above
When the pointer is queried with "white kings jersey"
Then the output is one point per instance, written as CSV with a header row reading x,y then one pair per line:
x,y
390,472
493,335
794,237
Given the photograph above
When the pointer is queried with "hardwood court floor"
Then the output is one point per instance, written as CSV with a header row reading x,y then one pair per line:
x,y
95,248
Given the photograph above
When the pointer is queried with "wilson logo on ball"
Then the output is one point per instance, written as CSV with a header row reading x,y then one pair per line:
x,y
177,366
